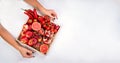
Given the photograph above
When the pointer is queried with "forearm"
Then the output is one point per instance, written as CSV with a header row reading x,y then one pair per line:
x,y
8,37
35,4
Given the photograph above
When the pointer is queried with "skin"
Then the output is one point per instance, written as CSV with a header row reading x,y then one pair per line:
x,y
11,40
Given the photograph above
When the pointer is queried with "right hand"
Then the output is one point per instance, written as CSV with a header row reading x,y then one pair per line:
x,y
51,13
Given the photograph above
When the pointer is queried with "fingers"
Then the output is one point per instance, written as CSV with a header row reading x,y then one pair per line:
x,y
53,14
28,54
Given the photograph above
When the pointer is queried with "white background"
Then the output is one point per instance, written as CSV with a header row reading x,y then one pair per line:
x,y
90,31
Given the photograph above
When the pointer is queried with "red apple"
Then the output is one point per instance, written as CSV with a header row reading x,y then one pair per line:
x,y
25,27
29,34
24,39
32,41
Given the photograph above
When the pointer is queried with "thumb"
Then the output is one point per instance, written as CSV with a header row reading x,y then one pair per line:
x,y
51,16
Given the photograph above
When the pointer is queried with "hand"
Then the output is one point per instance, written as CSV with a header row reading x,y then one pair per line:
x,y
25,52
50,13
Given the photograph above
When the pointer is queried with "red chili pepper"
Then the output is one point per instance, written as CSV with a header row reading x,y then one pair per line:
x,y
30,12
35,13
29,15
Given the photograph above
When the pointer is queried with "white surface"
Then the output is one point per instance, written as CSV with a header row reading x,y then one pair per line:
x,y
90,31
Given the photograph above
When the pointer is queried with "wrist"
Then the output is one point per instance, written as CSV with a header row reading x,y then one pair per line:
x,y
18,47
42,10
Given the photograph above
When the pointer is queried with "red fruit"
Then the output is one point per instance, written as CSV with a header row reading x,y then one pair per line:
x,y
52,30
30,27
24,39
32,41
44,48
40,39
48,41
29,21
25,27
47,33
37,46
45,39
41,31
29,34
22,33
41,19
44,26
36,26
47,18
35,20
57,27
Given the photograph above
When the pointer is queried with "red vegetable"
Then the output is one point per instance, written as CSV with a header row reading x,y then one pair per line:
x,y
35,13
29,15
